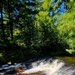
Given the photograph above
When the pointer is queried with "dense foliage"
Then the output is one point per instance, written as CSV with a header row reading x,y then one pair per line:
x,y
31,28
66,26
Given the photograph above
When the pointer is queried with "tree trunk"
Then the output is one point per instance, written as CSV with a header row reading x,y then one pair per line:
x,y
2,21
10,21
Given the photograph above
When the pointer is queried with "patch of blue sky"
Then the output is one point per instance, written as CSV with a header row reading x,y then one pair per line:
x,y
3,17
0,15
16,12
51,13
20,0
62,8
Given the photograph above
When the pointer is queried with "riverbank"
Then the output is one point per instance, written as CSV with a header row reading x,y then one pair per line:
x,y
68,59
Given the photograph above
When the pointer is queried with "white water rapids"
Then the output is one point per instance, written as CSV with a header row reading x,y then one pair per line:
x,y
50,66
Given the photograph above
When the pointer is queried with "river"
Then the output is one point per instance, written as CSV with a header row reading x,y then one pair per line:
x,y
49,66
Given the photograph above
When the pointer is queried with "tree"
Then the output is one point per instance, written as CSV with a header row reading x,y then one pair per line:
x,y
47,36
30,27
10,21
66,26
19,26
2,25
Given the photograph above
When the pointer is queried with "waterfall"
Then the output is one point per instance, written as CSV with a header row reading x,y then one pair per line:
x,y
50,66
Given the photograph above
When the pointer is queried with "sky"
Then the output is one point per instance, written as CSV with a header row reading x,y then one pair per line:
x,y
61,9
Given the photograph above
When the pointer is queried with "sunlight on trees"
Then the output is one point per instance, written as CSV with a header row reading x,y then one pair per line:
x,y
37,27
66,27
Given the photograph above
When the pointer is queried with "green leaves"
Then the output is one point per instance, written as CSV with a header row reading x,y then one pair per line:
x,y
66,27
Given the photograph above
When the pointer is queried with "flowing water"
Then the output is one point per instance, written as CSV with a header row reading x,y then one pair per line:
x,y
50,66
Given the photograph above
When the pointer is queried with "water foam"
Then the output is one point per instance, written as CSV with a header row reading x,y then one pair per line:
x,y
51,67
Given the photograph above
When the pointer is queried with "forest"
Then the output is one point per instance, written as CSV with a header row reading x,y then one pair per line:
x,y
33,28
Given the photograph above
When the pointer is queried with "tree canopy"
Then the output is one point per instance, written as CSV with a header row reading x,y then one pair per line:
x,y
31,28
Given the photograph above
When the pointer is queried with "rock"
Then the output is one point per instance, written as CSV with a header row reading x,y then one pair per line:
x,y
19,70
